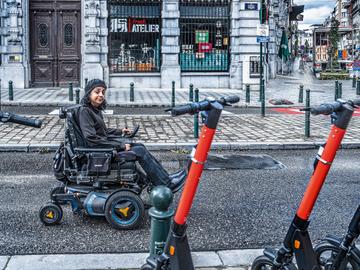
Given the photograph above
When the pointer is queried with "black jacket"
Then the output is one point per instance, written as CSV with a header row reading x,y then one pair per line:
x,y
95,131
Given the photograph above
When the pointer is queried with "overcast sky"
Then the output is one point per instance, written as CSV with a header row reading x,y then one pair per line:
x,y
315,11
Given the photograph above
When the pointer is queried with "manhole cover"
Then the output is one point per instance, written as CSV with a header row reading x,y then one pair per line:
x,y
242,162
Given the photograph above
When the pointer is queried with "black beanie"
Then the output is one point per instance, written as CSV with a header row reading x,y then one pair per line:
x,y
93,84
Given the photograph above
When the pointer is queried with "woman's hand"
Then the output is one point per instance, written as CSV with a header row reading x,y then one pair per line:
x,y
127,147
126,130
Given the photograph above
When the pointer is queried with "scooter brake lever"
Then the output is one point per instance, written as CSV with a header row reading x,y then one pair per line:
x,y
306,109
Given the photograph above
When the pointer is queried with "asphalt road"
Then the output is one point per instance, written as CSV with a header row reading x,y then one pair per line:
x,y
233,208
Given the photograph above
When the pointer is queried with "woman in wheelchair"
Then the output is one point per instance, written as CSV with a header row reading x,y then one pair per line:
x,y
97,134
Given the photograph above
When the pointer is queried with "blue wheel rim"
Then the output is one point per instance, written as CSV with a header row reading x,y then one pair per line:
x,y
135,212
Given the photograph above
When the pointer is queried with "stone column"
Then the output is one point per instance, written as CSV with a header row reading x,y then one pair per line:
x,y
170,68
94,40
12,49
236,65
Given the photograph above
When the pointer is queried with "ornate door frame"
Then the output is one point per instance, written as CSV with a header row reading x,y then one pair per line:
x,y
55,42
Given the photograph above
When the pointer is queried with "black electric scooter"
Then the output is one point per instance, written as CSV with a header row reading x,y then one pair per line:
x,y
17,119
297,240
177,254
335,253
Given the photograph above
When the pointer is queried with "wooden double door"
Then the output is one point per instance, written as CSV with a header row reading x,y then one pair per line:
x,y
55,42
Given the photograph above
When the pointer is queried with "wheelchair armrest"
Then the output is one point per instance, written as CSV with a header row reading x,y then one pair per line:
x,y
127,155
94,150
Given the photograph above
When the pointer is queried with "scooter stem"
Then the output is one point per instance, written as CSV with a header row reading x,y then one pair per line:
x,y
318,178
193,179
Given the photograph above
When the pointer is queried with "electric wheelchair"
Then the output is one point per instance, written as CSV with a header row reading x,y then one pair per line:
x,y
99,181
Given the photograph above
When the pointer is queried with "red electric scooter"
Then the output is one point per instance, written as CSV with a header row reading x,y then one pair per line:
x,y
177,254
297,240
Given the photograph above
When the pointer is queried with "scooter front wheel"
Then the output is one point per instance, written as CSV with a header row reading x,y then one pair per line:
x,y
265,263
326,254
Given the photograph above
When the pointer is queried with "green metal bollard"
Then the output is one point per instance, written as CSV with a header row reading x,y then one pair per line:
x,y
301,93
340,90
336,90
11,90
161,198
196,116
0,95
191,92
358,86
263,98
173,94
354,81
247,97
77,96
307,114
71,92
132,95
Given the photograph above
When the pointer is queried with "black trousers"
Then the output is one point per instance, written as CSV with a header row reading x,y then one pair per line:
x,y
154,170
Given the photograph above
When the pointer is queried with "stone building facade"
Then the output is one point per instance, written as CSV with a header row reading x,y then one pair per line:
x,y
212,44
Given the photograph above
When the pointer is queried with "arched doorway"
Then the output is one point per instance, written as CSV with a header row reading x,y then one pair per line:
x,y
55,42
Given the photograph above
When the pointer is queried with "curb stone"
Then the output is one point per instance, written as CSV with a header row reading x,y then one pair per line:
x,y
3,261
188,146
204,260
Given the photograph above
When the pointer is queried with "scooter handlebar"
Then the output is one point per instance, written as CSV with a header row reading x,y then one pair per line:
x,y
201,106
17,119
326,108
356,102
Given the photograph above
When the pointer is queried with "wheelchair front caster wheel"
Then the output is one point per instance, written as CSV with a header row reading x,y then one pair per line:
x,y
146,267
124,210
50,214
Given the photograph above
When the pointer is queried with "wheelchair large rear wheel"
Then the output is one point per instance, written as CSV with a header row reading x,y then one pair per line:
x,y
124,210
50,214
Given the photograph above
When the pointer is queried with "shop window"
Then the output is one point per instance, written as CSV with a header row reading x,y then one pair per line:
x,y
204,35
254,66
135,35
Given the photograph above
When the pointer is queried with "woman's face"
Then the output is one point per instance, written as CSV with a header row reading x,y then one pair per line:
x,y
97,96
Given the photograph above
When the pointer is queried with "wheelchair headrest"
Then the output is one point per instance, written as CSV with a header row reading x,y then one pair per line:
x,y
64,110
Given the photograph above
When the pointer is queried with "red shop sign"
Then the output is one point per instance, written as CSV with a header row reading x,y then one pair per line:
x,y
205,47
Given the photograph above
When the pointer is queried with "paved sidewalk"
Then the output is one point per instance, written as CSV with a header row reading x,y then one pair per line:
x,y
163,132
283,87
207,260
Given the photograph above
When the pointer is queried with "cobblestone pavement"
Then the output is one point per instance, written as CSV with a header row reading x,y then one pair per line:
x,y
164,129
284,86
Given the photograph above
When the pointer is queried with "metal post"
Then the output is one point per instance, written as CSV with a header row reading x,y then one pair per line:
x,y
196,116
77,96
263,98
71,92
0,95
161,198
336,89
11,90
191,92
247,99
86,81
340,90
358,86
354,81
173,94
301,93
307,114
132,95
